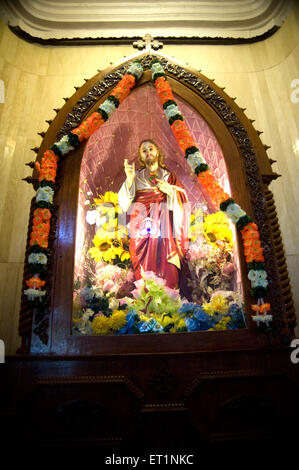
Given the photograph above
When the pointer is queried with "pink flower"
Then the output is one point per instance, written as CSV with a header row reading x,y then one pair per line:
x,y
100,314
151,276
108,285
139,284
229,269
136,293
130,276
173,293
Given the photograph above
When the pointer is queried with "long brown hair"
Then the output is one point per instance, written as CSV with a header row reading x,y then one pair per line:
x,y
160,155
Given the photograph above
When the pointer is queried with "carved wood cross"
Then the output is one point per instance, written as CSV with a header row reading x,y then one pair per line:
x,y
147,43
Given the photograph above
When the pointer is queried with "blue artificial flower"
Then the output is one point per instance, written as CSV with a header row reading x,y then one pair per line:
x,y
150,326
191,324
172,110
233,309
136,69
132,318
237,317
157,68
108,106
198,311
204,320
187,308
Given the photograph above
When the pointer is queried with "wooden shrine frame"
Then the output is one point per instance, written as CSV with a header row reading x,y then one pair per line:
x,y
250,173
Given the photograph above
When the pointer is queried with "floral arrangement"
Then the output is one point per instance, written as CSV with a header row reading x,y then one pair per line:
x,y
111,241
113,248
112,302
251,239
102,295
154,308
210,255
38,254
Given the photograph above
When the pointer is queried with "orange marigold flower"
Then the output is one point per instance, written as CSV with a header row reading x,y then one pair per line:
x,y
265,307
256,308
41,215
79,133
37,239
35,283
213,188
48,174
93,122
182,135
163,90
50,159
123,88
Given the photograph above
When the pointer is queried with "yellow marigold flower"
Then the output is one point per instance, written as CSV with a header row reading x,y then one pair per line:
x,y
109,197
165,320
219,304
216,228
118,319
108,203
207,307
105,248
101,325
181,323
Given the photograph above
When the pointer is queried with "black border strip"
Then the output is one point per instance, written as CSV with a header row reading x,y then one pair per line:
x,y
195,40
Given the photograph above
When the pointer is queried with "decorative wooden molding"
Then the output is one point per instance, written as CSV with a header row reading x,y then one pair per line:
x,y
127,41
281,261
246,138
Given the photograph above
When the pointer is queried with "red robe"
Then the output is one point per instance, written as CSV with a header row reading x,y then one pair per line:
x,y
159,249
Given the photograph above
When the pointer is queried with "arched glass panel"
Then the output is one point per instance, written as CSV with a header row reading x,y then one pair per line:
x,y
107,299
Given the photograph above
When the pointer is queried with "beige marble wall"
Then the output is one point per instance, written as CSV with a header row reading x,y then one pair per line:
x,y
37,78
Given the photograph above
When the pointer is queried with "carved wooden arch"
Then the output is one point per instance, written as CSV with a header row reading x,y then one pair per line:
x,y
250,174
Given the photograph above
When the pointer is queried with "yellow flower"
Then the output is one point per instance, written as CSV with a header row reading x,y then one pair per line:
x,y
118,319
207,307
222,325
108,203
216,228
109,197
165,319
181,323
196,224
218,304
105,248
101,325
125,252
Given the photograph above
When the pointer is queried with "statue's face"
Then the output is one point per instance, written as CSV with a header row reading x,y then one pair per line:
x,y
149,153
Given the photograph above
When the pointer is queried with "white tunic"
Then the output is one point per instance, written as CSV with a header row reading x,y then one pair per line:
x,y
126,196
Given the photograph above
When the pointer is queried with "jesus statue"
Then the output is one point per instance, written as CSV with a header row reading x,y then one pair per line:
x,y
159,216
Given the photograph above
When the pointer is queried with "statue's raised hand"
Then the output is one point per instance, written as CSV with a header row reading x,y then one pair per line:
x,y
130,172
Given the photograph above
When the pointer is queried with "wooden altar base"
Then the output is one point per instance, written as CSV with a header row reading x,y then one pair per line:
x,y
212,403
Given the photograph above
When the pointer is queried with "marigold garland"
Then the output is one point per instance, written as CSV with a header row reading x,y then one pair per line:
x,y
251,240
47,174
47,169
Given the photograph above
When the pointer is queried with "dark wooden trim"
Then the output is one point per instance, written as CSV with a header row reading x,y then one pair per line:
x,y
125,41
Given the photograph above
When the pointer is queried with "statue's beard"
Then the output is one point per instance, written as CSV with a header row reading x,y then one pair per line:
x,y
150,160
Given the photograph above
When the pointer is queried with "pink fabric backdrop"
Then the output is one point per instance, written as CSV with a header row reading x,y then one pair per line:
x,y
140,117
